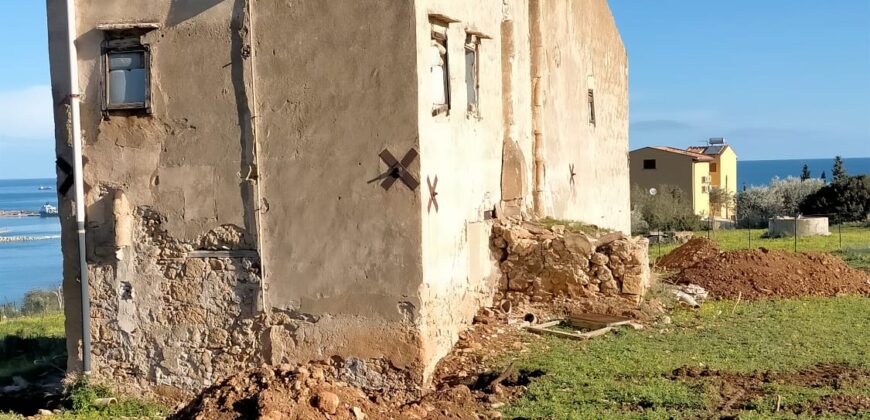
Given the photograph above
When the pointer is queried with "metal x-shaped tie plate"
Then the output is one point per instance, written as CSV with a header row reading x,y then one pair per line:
x,y
433,193
399,169
572,173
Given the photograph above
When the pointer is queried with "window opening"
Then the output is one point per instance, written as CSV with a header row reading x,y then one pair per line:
x,y
440,67
649,164
472,73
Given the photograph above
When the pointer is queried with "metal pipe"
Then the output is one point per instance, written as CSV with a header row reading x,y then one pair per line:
x,y
537,67
76,128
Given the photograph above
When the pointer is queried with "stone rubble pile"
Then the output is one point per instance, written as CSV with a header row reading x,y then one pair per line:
x,y
546,262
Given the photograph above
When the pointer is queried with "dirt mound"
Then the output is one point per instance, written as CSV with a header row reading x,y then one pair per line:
x,y
757,274
738,390
689,254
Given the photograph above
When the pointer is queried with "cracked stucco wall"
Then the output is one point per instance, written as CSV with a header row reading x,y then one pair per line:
x,y
583,50
253,228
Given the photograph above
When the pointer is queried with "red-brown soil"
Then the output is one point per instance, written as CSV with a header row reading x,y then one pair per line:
x,y
738,390
688,254
757,274
467,384
760,273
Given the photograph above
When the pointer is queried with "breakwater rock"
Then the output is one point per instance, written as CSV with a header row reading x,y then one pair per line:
x,y
9,239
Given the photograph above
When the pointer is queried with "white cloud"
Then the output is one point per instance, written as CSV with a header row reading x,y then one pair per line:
x,y
26,114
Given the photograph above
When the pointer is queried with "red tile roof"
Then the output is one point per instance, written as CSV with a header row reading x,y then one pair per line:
x,y
689,153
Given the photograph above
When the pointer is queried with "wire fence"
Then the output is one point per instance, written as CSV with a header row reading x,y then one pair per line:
x,y
798,233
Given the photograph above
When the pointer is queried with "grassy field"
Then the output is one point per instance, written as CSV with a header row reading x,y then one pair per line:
x,y
628,375
855,243
31,345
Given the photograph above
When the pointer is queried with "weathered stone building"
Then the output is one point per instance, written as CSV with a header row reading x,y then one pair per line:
x,y
271,181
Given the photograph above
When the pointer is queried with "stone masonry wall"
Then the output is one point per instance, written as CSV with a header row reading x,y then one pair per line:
x,y
544,262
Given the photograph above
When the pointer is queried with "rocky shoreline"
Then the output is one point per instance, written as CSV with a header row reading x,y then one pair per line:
x,y
10,239
18,213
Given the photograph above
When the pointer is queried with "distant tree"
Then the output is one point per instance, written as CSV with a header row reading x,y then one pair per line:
x,y
805,174
669,210
782,198
824,177
839,172
720,197
846,201
39,302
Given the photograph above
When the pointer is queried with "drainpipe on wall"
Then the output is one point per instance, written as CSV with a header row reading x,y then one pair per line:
x,y
75,117
537,64
249,39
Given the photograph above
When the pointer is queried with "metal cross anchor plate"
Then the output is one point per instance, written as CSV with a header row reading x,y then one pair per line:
x,y
433,194
572,173
399,170
67,169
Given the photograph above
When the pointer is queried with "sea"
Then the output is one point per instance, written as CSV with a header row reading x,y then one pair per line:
x,y
28,265
760,172
38,264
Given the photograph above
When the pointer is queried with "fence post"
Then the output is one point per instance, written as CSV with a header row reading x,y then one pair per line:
x,y
795,232
840,232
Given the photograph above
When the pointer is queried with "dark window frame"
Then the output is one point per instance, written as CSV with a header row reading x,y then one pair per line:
x,y
123,43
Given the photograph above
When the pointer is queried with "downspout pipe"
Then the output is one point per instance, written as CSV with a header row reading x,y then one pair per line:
x,y
537,64
76,132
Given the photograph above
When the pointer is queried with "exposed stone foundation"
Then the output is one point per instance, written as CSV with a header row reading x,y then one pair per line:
x,y
173,317
542,262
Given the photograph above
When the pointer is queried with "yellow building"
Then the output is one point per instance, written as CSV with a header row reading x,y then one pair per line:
x,y
723,171
652,167
695,171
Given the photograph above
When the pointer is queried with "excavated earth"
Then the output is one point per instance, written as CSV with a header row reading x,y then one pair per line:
x,y
761,273
466,383
738,391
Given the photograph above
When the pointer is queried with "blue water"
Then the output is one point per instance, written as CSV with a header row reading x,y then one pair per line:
x,y
34,264
760,172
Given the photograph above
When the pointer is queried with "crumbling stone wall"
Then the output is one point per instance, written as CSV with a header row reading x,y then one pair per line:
x,y
162,316
542,262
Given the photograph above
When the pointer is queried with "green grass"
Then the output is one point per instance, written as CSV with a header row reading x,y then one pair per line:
x,y
614,376
573,226
856,240
30,346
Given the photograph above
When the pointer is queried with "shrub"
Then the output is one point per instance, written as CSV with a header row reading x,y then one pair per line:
x,y
41,301
847,200
669,209
782,198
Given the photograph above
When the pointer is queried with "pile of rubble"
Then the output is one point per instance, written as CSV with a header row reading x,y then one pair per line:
x,y
545,262
762,273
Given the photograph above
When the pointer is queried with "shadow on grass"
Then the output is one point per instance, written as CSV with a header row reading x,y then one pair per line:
x,y
31,371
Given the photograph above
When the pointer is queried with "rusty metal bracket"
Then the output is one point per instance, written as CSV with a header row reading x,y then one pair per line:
x,y
433,193
67,169
398,170
572,173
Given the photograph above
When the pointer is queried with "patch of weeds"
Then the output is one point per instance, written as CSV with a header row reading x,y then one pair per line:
x,y
84,398
573,226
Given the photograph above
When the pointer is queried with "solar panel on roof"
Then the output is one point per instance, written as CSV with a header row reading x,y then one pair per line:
x,y
714,150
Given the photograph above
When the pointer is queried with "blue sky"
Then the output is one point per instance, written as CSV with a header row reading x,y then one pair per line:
x,y
779,78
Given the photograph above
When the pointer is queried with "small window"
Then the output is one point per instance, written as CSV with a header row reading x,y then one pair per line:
x,y
649,164
714,167
440,68
705,189
472,73
127,75
591,100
